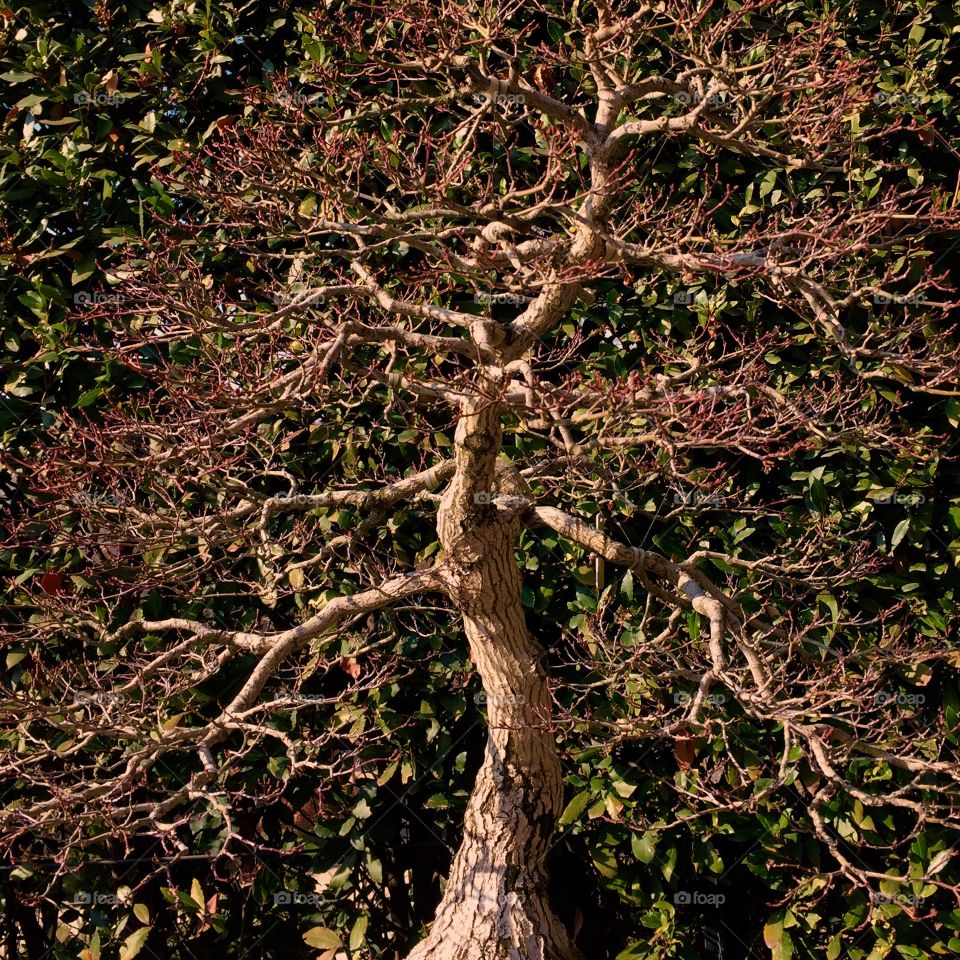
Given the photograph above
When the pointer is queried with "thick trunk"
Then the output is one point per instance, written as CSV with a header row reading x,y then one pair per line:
x,y
494,905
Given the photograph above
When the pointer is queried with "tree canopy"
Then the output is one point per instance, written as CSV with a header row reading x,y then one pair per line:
x,y
312,310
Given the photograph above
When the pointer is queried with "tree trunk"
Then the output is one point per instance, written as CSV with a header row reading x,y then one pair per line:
x,y
494,904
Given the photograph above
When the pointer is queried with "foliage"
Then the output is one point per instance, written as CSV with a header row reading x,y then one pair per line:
x,y
125,126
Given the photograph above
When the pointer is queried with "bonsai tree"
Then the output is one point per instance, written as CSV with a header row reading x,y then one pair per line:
x,y
644,288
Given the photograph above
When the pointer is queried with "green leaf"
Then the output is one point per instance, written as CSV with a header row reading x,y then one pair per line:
x,y
952,408
768,183
830,603
899,533
89,397
388,773
778,940
669,864
278,766
134,943
605,862
33,100
323,938
316,51
643,846
84,269
575,808
358,934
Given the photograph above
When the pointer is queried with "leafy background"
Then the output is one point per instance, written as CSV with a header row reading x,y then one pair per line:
x,y
79,184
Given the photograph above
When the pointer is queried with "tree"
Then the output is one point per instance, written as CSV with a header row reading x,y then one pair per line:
x,y
632,259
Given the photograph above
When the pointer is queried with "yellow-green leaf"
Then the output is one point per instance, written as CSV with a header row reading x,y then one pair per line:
x,y
134,943
322,938
575,807
196,891
358,934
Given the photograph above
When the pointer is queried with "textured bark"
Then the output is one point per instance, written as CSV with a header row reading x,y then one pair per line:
x,y
495,901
